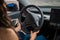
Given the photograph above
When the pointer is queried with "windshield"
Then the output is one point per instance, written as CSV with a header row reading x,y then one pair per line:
x,y
44,2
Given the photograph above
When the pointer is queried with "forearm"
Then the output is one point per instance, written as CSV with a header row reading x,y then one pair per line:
x,y
32,38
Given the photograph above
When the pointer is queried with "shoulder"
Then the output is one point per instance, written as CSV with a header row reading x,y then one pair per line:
x,y
12,33
8,34
10,30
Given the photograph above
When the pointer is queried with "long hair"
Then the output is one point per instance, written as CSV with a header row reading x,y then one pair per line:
x,y
4,20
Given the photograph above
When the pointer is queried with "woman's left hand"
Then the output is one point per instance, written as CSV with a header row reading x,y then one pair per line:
x,y
33,35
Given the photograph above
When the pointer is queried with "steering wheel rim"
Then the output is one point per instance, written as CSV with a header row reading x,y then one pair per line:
x,y
24,8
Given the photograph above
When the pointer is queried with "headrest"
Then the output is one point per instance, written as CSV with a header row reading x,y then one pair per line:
x,y
12,7
12,1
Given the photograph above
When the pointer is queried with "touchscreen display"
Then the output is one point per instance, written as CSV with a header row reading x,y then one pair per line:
x,y
55,17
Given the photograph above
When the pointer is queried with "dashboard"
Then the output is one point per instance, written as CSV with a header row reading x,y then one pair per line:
x,y
46,12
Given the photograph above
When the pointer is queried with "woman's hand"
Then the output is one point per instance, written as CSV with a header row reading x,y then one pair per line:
x,y
18,28
33,35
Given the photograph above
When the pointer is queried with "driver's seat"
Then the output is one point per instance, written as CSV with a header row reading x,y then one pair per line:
x,y
12,1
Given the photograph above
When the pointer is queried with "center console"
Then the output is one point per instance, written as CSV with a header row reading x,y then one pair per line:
x,y
55,18
54,25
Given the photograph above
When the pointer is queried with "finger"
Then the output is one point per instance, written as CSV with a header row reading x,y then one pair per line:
x,y
37,32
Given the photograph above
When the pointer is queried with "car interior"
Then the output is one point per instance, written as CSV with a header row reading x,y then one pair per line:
x,y
43,15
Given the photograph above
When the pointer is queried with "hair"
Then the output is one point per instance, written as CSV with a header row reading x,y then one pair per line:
x,y
1,2
4,20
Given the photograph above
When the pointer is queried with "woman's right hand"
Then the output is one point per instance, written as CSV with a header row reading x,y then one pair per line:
x,y
33,35
18,28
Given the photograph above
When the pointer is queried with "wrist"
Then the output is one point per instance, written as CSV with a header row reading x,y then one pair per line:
x,y
32,38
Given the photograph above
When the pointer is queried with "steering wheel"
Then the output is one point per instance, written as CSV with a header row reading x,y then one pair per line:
x,y
32,20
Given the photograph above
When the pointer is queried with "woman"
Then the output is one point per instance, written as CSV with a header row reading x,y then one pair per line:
x,y
7,31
